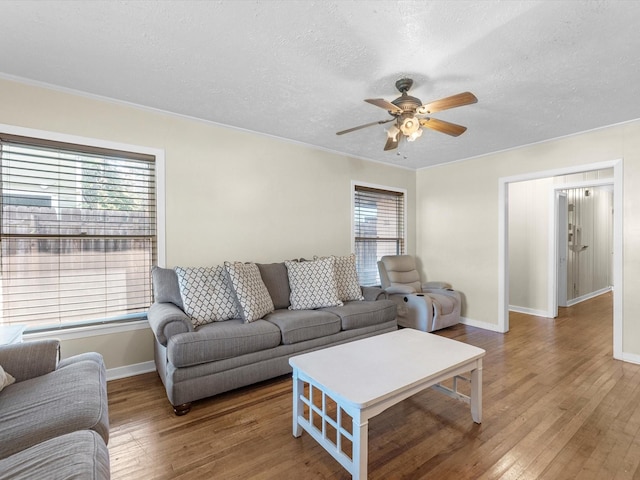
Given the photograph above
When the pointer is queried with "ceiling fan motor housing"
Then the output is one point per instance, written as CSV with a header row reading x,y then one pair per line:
x,y
407,103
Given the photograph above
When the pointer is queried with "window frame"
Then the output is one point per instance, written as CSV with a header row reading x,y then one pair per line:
x,y
74,331
403,191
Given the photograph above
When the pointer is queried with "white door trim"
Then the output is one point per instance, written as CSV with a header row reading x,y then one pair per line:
x,y
503,243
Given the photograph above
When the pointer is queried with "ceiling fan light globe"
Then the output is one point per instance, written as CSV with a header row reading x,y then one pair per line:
x,y
414,135
410,125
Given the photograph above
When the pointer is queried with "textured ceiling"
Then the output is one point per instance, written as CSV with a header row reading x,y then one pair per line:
x,y
299,70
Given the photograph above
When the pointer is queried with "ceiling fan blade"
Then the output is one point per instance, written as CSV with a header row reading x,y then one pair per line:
x,y
442,126
382,103
459,100
353,129
391,143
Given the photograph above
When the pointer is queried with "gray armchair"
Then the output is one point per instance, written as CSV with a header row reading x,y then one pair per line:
x,y
425,306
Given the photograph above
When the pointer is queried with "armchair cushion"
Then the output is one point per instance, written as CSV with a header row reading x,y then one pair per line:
x,y
76,393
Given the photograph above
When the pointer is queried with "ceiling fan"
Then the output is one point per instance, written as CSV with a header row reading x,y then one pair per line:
x,y
410,114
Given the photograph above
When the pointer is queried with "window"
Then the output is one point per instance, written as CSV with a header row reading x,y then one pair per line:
x,y
77,233
379,229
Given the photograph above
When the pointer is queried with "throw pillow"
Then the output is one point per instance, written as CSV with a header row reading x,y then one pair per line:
x,y
312,284
251,293
206,294
347,278
165,286
5,379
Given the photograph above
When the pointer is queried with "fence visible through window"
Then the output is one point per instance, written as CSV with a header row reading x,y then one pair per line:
x,y
77,234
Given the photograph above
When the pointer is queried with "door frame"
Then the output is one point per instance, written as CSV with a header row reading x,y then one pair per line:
x,y
503,243
554,236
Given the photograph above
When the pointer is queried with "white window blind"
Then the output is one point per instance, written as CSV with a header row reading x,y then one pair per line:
x,y
378,229
77,233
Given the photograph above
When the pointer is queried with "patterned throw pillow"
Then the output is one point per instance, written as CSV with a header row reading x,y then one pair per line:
x,y
347,278
251,292
5,379
313,284
206,294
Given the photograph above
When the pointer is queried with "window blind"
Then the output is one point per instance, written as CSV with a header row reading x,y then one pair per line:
x,y
77,233
378,229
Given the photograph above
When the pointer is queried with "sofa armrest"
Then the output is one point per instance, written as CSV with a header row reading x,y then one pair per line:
x,y
166,320
30,359
372,293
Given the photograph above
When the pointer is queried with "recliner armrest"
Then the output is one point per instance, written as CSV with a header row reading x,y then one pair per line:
x,y
435,285
400,290
30,359
166,320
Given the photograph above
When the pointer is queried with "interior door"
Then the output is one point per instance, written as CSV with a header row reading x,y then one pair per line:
x,y
562,245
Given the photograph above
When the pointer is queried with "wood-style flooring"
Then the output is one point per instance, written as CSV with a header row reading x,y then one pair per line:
x,y
556,406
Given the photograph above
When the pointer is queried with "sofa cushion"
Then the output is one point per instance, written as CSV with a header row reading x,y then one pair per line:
x,y
347,278
274,276
300,325
76,455
220,340
312,284
360,314
253,298
165,286
66,400
206,294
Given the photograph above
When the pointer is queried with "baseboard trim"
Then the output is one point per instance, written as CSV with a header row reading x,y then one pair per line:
x,y
131,370
631,358
588,296
529,311
479,324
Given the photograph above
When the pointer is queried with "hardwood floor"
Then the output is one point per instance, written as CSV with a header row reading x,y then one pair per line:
x,y
556,406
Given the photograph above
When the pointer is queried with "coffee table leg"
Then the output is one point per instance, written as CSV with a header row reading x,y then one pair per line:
x,y
360,448
298,388
476,392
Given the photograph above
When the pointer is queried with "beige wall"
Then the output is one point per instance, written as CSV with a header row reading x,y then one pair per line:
x,y
230,195
529,245
457,217
239,196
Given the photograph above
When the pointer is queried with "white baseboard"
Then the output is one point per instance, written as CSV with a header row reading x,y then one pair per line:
x,y
479,324
130,370
530,311
630,357
577,300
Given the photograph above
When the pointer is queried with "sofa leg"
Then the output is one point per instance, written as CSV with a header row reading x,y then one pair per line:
x,y
182,409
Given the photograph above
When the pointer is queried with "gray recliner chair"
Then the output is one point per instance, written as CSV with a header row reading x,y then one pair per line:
x,y
424,306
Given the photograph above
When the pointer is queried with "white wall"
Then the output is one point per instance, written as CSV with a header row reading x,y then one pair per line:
x,y
230,195
457,218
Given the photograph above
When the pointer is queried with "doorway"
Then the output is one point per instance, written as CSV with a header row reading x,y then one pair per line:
x,y
552,283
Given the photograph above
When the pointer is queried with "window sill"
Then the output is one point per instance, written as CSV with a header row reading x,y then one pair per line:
x,y
88,331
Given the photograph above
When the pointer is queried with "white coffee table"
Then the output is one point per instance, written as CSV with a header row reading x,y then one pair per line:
x,y
365,377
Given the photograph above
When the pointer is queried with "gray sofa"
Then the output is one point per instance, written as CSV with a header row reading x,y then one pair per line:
x,y
54,418
199,362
